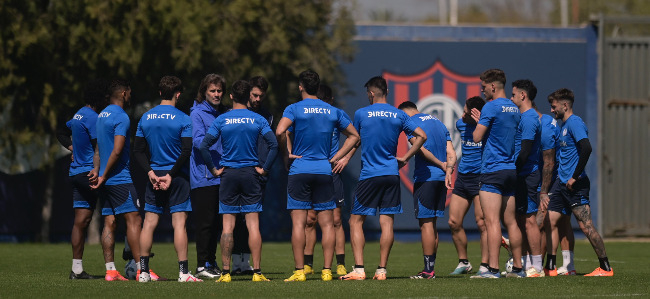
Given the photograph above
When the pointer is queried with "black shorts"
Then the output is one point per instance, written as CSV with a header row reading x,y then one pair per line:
x,y
526,198
499,182
310,191
561,199
119,199
338,190
429,199
83,196
467,185
176,197
240,191
381,192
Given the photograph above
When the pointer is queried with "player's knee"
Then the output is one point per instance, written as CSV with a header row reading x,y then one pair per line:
x,y
454,224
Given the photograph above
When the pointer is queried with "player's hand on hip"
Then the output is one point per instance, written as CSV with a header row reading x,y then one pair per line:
x,y
569,184
217,172
261,171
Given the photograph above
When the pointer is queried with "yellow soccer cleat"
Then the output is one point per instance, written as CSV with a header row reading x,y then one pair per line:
x,y
340,270
326,275
308,270
259,277
298,275
225,277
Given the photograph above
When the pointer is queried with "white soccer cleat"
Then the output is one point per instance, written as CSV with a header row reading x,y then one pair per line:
x,y
187,277
144,277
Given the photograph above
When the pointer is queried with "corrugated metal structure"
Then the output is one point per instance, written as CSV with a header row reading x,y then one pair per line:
x,y
624,127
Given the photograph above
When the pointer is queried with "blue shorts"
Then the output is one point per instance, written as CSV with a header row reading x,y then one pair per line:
x,y
310,191
499,182
119,199
467,185
381,192
526,196
338,197
82,196
176,197
562,200
241,191
429,199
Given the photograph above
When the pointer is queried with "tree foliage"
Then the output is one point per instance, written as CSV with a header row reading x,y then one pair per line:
x,y
50,49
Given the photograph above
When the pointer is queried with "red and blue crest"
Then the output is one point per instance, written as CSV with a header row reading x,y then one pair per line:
x,y
437,91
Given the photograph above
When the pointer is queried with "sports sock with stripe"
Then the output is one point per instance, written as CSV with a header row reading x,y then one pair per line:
x,y
183,267
110,266
144,264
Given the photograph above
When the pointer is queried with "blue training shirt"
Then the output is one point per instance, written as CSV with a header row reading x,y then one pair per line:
x,y
529,128
501,117
83,130
379,126
571,132
239,130
436,143
163,126
549,139
336,135
111,122
313,124
470,159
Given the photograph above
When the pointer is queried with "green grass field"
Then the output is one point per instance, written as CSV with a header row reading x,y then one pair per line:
x,y
41,270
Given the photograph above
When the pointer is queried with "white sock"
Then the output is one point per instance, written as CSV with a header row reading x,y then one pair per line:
x,y
537,262
566,258
360,270
77,266
138,266
110,266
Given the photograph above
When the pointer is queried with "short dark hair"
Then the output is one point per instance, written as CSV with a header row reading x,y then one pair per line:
x,y
494,75
169,86
96,93
240,91
407,105
475,102
259,82
117,86
309,81
562,94
379,84
527,86
325,94
205,83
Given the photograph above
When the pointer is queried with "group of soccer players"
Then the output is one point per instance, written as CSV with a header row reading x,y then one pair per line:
x,y
217,160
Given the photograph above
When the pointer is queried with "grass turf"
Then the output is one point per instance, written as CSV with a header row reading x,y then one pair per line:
x,y
41,270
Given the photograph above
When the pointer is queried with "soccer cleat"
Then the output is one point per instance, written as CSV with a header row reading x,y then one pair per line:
x,y
551,273
462,269
562,271
144,277
259,277
208,272
82,275
153,275
532,272
114,275
505,243
600,272
380,274
308,270
187,277
326,275
487,274
520,274
340,270
354,275
298,275
424,275
225,277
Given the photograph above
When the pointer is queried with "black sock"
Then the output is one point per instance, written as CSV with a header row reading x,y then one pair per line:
x,y
144,264
299,269
224,271
182,267
257,271
550,261
464,261
486,265
330,268
309,260
493,270
604,264
379,268
340,259
358,266
516,270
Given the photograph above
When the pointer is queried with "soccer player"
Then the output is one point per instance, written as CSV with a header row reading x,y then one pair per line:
x,y
325,94
379,126
80,137
114,182
527,151
205,186
241,252
496,128
167,133
240,171
466,190
434,165
310,183
572,186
